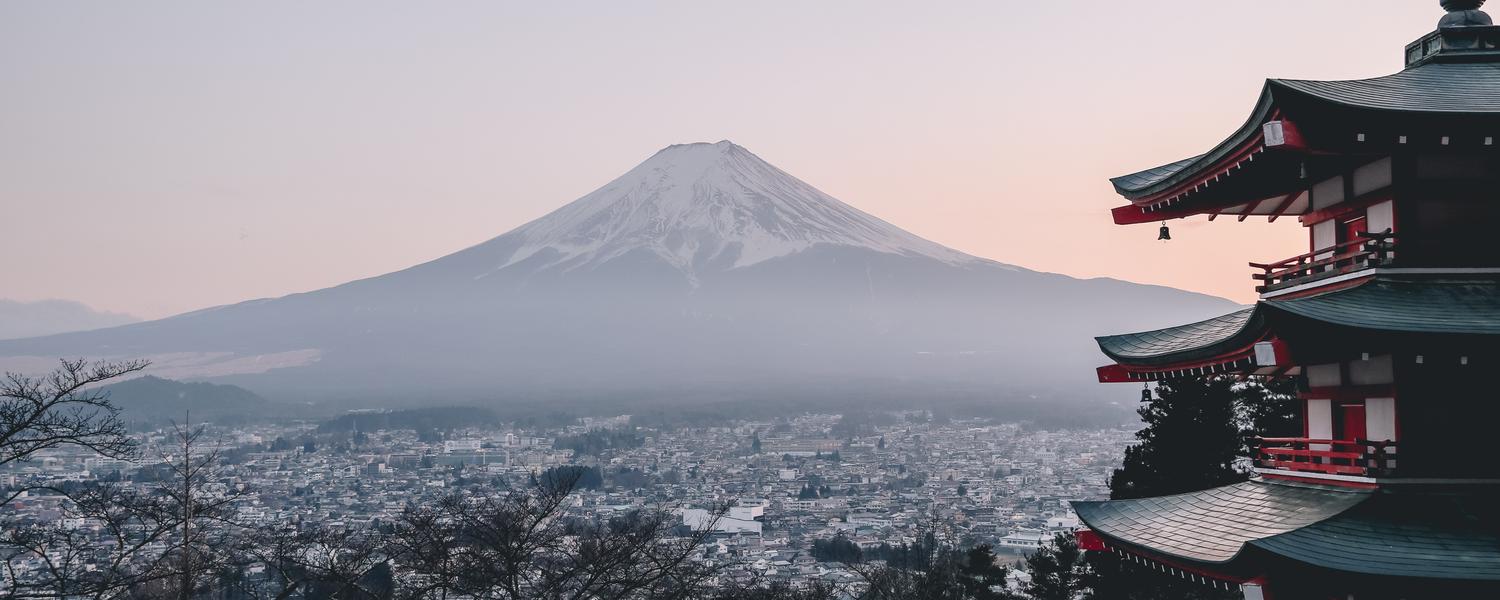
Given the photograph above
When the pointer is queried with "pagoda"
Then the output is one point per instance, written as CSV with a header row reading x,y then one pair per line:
x,y
1390,324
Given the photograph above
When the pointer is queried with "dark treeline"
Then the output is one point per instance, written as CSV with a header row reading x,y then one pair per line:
x,y
904,556
583,478
1054,414
596,441
443,418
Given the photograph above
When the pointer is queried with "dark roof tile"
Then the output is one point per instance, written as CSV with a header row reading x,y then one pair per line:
x,y
1388,303
1433,88
1175,343
1213,525
1448,535
1430,88
1469,307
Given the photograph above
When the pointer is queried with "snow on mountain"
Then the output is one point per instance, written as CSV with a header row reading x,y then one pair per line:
x,y
704,271
709,204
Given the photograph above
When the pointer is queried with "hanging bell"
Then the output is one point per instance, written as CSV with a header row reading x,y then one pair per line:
x,y
1146,393
1165,233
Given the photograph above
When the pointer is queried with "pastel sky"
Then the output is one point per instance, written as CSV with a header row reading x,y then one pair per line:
x,y
159,157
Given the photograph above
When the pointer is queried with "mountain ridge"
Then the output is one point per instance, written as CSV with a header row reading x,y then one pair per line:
x,y
702,270
704,205
45,317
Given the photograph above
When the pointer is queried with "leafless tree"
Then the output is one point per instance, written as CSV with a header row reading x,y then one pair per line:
x,y
110,540
520,544
206,527
332,562
62,408
936,568
170,540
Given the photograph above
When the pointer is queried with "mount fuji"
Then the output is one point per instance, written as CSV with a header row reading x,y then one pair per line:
x,y
703,271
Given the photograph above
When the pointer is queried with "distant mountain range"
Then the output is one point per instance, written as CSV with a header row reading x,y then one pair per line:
x,y
46,317
704,273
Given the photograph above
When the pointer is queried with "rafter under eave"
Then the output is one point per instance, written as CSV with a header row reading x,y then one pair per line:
x,y
1286,203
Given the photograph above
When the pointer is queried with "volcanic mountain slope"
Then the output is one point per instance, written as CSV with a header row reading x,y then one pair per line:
x,y
703,268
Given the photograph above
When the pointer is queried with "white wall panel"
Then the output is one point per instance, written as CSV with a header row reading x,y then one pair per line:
x,y
1375,371
1381,217
1380,419
1328,193
1324,235
1373,176
1324,375
1320,421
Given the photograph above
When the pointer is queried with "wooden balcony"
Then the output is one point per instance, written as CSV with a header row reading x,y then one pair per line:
x,y
1361,458
1369,250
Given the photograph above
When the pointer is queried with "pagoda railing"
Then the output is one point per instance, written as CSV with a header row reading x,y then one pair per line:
x,y
1362,458
1369,250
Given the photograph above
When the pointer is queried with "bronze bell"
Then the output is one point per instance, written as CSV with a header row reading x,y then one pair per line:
x,y
1146,393
1165,233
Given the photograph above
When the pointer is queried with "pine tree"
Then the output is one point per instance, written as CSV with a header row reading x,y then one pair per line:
x,y
1192,441
982,577
1057,570
1268,410
1195,436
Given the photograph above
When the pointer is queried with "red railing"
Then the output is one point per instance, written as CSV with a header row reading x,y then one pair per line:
x,y
1369,250
1363,458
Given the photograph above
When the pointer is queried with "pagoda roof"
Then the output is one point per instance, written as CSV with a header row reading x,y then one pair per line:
x,y
1380,303
1465,88
1443,306
1144,179
1409,533
1398,532
1185,342
1432,88
1142,184
1213,526
1239,176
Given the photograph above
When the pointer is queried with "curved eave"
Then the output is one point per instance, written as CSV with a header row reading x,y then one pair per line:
x,y
1449,535
1229,575
1429,89
1383,304
1194,186
1126,184
1213,527
1415,532
1456,307
1158,180
1198,341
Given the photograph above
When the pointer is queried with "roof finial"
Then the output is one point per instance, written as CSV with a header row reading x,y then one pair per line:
x,y
1464,13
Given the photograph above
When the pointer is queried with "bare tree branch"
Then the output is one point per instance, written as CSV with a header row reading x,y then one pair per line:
x,y
63,408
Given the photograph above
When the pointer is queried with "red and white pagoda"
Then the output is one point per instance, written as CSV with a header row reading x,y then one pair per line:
x,y
1390,321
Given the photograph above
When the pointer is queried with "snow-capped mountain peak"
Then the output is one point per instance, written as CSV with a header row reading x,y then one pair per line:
x,y
709,203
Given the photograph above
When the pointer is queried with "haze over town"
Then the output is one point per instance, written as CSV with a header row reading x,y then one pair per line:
x,y
656,300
